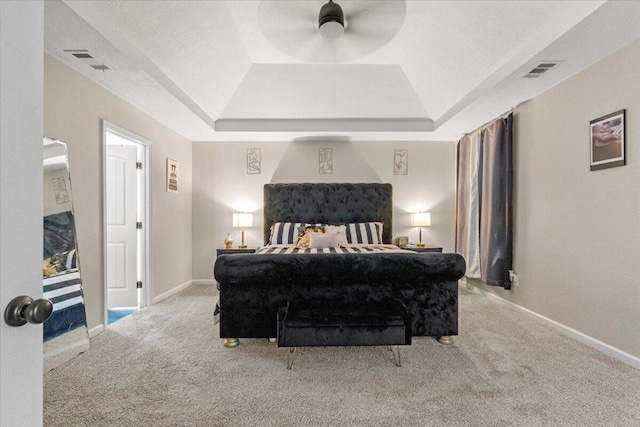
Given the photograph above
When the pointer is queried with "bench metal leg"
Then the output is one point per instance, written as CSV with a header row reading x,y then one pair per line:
x,y
292,353
397,361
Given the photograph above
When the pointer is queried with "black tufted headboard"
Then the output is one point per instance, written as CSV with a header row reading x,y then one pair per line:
x,y
328,204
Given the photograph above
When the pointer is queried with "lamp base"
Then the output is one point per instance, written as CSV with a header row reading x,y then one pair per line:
x,y
420,245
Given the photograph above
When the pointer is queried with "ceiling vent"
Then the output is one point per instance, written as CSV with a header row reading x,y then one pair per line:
x,y
79,53
101,67
540,69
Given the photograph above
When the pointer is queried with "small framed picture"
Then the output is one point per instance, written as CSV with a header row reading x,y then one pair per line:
x,y
400,162
607,141
325,161
172,176
402,241
254,161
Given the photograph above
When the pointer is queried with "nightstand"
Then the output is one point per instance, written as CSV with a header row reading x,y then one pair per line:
x,y
427,248
221,251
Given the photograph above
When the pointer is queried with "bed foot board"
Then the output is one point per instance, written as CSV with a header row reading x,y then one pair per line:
x,y
446,340
231,342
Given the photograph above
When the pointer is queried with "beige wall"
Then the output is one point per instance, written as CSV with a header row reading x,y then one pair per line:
x,y
222,186
577,232
73,113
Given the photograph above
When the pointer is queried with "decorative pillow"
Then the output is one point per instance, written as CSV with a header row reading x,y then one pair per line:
x,y
58,263
340,230
364,232
324,240
284,233
304,234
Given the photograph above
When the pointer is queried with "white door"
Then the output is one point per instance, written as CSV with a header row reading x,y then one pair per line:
x,y
21,124
122,234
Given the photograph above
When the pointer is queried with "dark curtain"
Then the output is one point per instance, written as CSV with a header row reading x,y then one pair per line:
x,y
495,188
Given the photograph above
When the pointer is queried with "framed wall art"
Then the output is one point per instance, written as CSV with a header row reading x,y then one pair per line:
x,y
607,141
172,176
254,161
400,162
325,161
60,190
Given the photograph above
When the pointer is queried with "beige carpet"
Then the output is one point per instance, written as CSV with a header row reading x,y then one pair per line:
x,y
166,366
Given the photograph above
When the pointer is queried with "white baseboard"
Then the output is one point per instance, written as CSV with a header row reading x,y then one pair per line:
x,y
203,282
173,291
605,348
96,330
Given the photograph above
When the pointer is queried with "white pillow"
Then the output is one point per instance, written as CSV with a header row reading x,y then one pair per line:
x,y
323,240
340,230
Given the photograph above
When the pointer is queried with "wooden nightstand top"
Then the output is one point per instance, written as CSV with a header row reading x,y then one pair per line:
x,y
427,248
250,250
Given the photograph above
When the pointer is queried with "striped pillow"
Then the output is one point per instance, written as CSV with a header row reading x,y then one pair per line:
x,y
284,233
364,232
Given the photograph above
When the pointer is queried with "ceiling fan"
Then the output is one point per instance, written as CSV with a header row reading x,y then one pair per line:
x,y
321,31
331,21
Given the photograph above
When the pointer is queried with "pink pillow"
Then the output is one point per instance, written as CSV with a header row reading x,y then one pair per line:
x,y
324,240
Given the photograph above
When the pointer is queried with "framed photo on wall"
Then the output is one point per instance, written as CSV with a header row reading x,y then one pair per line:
x,y
325,161
400,162
172,176
607,141
254,161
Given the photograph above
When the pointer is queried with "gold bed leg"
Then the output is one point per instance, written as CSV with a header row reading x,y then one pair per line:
x,y
446,340
231,342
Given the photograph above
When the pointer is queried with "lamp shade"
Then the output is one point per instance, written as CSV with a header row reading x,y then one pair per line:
x,y
242,220
421,219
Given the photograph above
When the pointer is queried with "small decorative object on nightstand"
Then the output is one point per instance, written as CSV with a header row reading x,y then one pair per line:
x,y
228,241
402,241
421,219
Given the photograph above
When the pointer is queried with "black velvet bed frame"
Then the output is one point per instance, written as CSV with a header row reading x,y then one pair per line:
x,y
254,286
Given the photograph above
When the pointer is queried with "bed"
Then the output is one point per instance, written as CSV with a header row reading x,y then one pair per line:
x,y
254,286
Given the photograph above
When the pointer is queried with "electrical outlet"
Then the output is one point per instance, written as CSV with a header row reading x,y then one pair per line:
x,y
513,277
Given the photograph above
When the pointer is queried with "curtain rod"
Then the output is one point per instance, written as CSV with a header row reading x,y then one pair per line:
x,y
501,116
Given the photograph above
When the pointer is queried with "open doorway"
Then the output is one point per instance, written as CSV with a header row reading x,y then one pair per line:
x,y
126,222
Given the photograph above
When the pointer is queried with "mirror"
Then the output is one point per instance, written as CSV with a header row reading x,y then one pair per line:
x,y
65,334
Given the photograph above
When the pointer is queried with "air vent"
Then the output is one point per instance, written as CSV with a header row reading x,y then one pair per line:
x,y
101,67
540,69
82,55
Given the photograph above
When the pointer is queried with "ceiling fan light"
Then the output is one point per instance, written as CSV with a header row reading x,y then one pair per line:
x,y
331,21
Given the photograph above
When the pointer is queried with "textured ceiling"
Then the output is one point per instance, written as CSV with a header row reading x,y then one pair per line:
x,y
404,70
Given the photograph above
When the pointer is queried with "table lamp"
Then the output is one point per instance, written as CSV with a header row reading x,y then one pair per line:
x,y
242,220
421,219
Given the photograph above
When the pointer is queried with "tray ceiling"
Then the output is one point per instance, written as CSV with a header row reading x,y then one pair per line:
x,y
403,70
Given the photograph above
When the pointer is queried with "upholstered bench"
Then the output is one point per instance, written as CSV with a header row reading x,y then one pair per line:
x,y
311,325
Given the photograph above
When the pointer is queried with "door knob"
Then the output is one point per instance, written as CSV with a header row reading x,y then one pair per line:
x,y
24,309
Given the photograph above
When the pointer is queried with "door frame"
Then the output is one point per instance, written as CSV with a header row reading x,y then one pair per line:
x,y
146,215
